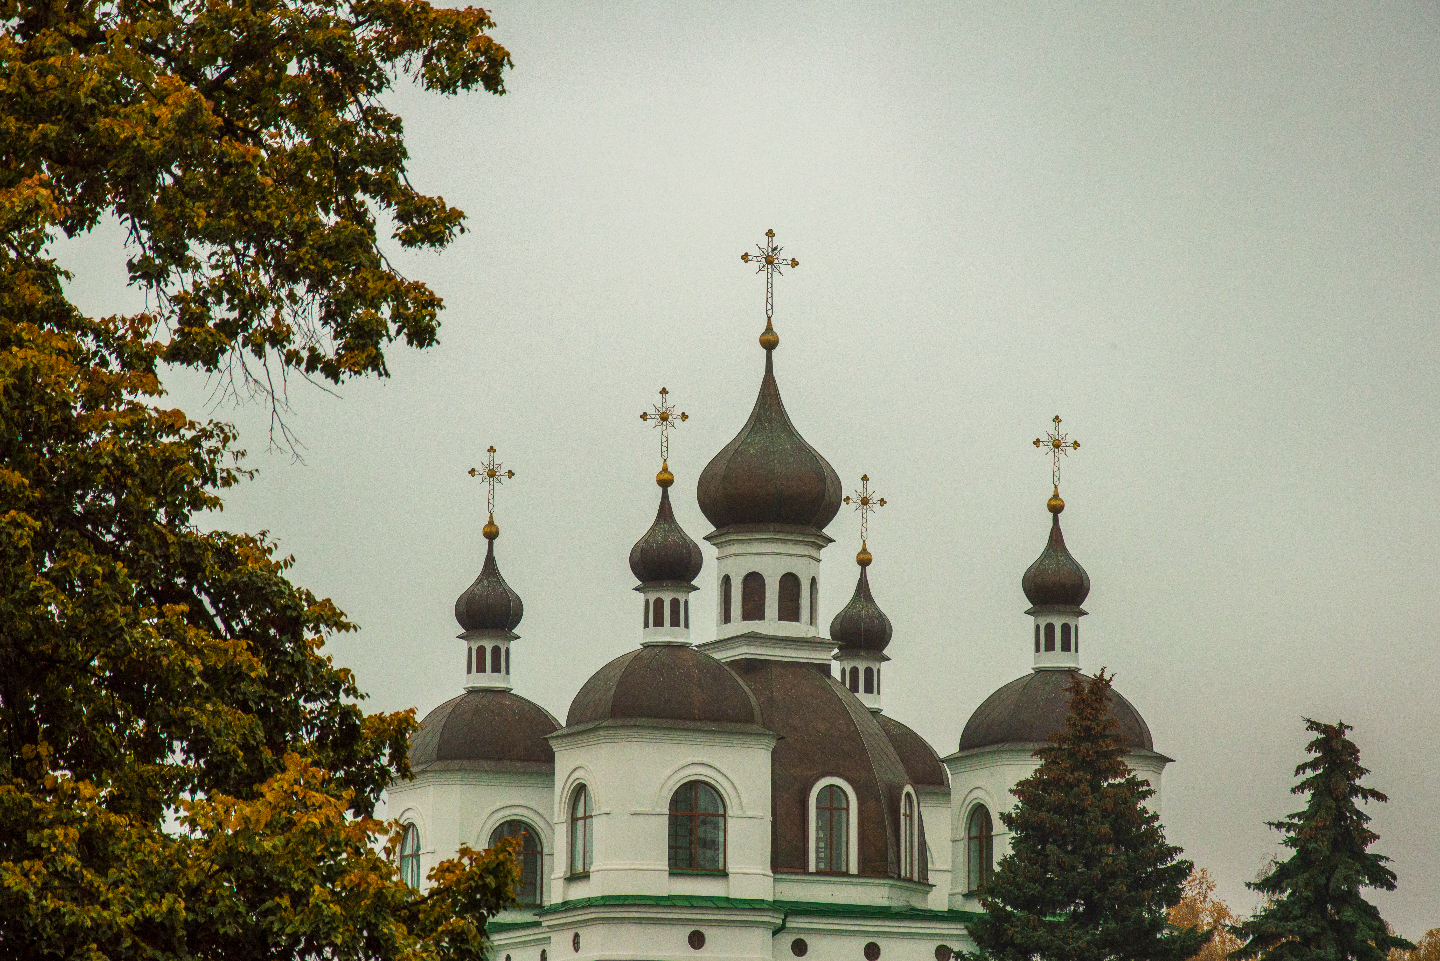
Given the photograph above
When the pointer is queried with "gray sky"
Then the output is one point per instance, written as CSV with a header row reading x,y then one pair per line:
x,y
1204,234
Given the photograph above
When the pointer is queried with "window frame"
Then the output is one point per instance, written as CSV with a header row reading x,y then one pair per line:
x,y
581,829
695,816
852,840
752,596
409,856
786,604
538,852
986,854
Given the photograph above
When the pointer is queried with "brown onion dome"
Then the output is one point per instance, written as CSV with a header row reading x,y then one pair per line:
x,y
485,729
1056,579
861,625
666,552
671,683
768,474
1031,708
489,604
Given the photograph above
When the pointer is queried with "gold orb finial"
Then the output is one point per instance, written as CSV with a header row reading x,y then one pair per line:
x,y
491,530
768,338
664,478
1055,505
864,557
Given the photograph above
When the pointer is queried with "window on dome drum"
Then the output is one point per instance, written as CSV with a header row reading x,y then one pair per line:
x,y
1077,638
1065,637
1037,638
980,838
531,858
814,599
869,680
507,665
646,605
674,612
687,613
854,680
469,659
697,828
658,618
832,829
789,597
725,597
752,597
1049,637
582,837
877,680
907,837
410,856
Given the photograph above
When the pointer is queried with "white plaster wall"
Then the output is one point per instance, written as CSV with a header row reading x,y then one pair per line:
x,y
631,773
935,814
771,555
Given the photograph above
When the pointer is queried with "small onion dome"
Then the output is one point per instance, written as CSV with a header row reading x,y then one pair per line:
x,y
861,625
1031,708
489,604
768,474
922,764
1056,579
666,552
666,683
485,729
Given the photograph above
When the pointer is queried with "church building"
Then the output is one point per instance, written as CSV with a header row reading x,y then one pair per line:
x,y
743,793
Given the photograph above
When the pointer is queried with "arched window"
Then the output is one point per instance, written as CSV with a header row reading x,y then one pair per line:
x,y
1077,638
1064,637
869,680
877,680
410,856
531,858
981,844
789,597
1037,637
582,835
907,834
814,599
752,597
725,597
469,659
1049,637
855,680
495,659
658,618
507,663
646,605
687,613
832,830
697,828
674,612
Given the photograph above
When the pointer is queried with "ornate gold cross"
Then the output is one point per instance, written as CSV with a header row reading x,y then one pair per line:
x,y
1059,444
491,473
665,418
866,503
770,265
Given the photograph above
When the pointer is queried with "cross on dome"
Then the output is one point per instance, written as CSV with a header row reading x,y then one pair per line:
x,y
770,264
866,503
665,418
1058,444
491,473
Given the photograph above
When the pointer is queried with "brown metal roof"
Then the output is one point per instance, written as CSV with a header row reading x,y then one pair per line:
x,y
920,760
1055,579
861,625
489,604
666,552
484,726
665,682
1031,708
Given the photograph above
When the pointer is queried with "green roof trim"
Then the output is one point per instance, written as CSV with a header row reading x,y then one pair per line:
x,y
813,909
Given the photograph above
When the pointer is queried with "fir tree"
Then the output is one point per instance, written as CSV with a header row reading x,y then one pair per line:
x,y
1314,910
1089,875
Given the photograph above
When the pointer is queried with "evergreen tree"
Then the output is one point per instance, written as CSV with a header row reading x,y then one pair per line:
x,y
1314,910
1089,875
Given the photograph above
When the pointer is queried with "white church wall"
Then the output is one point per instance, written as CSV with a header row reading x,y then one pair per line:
x,y
772,555
632,773
935,815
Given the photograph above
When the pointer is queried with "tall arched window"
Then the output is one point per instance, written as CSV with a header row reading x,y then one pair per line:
x,y
658,618
980,838
582,835
469,659
832,830
674,612
410,856
1037,637
697,828
507,665
1064,637
495,662
907,835
814,599
1077,638
869,680
752,597
855,680
725,597
1049,637
687,613
646,605
531,858
789,598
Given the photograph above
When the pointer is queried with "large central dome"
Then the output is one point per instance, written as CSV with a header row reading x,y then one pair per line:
x,y
768,474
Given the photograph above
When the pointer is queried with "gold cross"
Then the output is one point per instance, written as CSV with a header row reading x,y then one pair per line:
x,y
865,502
1059,444
491,473
665,418
770,264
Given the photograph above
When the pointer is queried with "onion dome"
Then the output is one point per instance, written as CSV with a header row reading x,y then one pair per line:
x,y
675,685
1056,579
768,475
666,552
489,604
861,625
1031,708
485,729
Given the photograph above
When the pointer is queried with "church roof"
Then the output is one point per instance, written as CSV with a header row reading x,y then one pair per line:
x,y
665,552
489,604
485,729
920,760
861,625
1056,579
665,682
768,475
1031,708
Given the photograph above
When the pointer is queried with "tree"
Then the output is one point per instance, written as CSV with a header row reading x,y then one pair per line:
x,y
1426,949
183,772
1089,874
1200,910
1315,911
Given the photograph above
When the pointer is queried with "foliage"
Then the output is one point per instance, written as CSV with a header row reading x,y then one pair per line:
x,y
1200,910
1089,874
1426,949
1315,910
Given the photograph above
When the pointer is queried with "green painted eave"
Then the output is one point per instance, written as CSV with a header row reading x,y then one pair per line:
x,y
810,909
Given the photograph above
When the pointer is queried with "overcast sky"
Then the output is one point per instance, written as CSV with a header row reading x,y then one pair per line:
x,y
1204,234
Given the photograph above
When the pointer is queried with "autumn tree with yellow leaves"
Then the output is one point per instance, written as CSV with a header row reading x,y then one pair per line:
x,y
183,772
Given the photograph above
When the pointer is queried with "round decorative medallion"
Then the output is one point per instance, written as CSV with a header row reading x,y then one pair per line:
x,y
942,953
697,939
798,947
872,951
